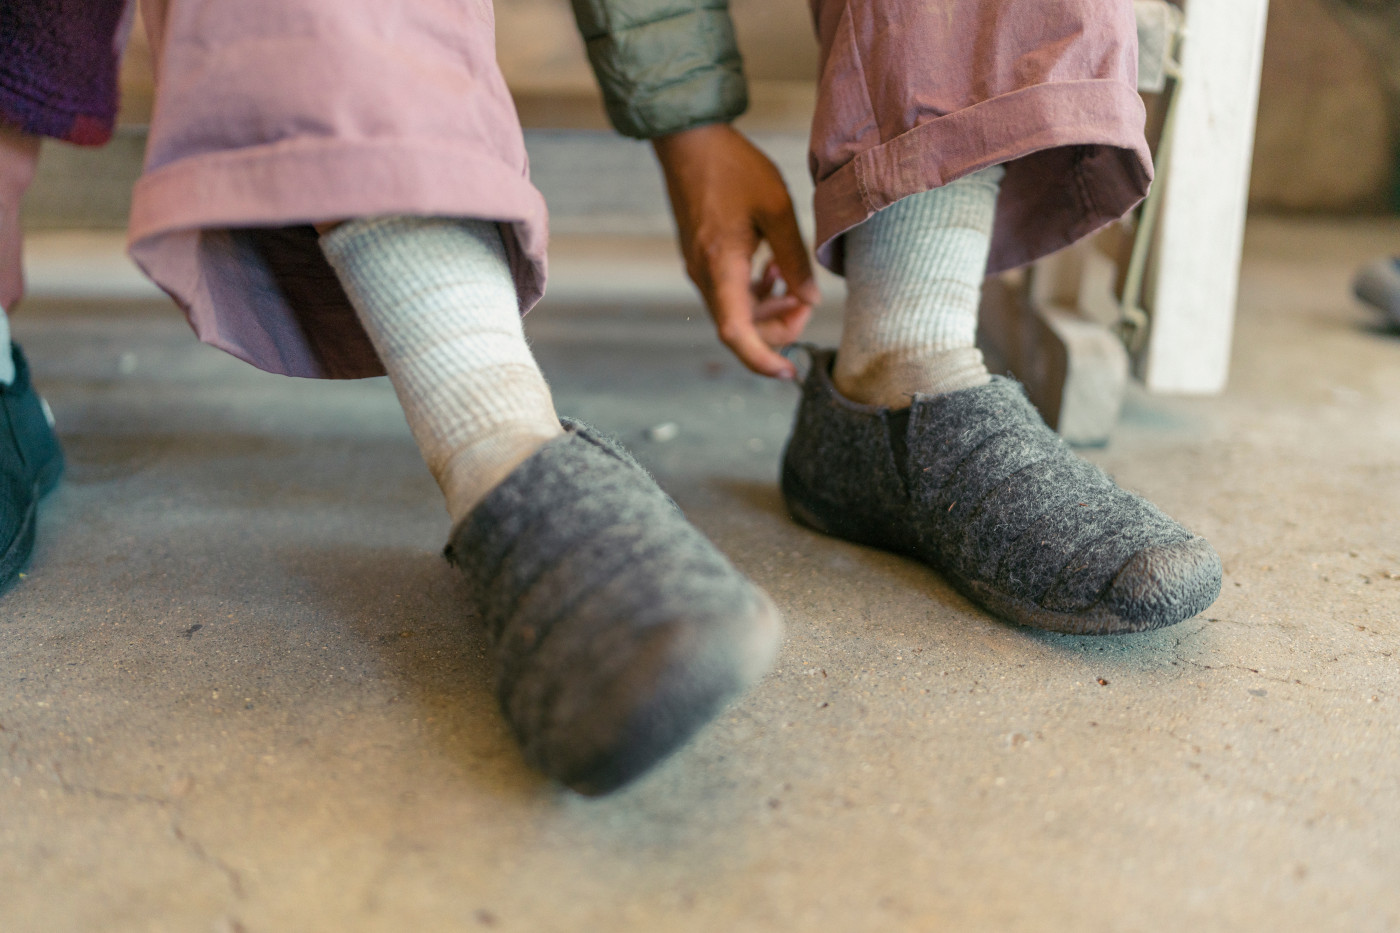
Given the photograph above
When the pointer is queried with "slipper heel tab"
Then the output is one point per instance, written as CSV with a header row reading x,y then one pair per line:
x,y
603,442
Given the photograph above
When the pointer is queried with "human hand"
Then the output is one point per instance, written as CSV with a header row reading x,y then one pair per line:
x,y
728,198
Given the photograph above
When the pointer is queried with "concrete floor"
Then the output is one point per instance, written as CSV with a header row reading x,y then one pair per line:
x,y
239,690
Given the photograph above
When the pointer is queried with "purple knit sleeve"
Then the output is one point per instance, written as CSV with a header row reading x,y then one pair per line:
x,y
58,67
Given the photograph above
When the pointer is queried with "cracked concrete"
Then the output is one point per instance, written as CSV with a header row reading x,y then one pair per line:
x,y
240,690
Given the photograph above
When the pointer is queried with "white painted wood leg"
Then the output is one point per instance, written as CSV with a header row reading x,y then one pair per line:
x,y
1057,327
1193,277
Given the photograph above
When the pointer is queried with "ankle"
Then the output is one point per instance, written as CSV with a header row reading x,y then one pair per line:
x,y
892,379
474,471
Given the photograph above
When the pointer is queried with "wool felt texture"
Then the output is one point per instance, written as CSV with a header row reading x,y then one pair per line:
x,y
437,299
974,484
616,629
31,463
913,285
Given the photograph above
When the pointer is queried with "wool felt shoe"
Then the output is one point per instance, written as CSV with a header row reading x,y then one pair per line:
x,y
31,463
617,630
974,484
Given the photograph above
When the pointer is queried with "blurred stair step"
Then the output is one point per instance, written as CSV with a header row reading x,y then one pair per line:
x,y
593,180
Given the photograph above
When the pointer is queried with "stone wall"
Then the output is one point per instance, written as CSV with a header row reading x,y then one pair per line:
x,y
1322,141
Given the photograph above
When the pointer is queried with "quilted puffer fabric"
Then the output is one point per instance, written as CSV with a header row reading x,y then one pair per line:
x,y
663,65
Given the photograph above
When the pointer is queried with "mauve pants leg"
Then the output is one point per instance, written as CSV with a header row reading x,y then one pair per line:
x,y
916,93
272,115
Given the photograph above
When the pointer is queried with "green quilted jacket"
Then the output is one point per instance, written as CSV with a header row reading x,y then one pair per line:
x,y
663,65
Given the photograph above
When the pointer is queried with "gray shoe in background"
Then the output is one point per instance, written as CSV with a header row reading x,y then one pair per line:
x,y
1378,284
974,484
617,630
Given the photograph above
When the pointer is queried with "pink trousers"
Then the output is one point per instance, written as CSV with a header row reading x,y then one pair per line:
x,y
271,115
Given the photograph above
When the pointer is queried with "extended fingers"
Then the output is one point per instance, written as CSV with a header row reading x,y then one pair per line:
x,y
732,305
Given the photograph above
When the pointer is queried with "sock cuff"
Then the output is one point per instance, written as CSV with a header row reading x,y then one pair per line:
x,y
392,227
914,275
960,204
438,300
370,251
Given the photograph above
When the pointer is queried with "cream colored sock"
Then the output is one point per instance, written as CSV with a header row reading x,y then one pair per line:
x,y
438,301
914,282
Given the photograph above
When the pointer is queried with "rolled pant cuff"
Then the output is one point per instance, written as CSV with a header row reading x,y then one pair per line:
x,y
1075,154
227,234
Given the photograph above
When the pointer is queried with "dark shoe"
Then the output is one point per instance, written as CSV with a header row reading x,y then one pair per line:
x,y
974,484
30,464
617,629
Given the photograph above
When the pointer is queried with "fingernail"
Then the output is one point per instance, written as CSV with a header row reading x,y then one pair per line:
x,y
809,292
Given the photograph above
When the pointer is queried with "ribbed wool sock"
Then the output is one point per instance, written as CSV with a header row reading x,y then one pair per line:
x,y
437,299
7,363
914,282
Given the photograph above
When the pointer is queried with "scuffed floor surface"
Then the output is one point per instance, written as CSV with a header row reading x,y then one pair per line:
x,y
240,690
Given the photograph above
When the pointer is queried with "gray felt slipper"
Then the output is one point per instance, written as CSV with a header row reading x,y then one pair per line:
x,y
617,629
974,484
